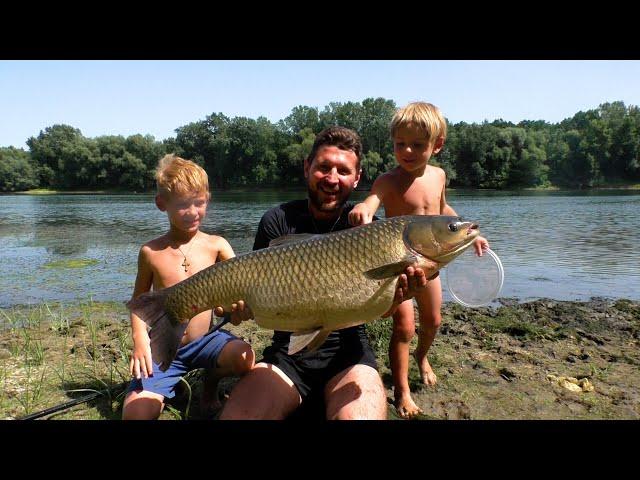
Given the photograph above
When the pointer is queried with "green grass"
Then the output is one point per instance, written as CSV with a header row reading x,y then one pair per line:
x,y
58,352
514,325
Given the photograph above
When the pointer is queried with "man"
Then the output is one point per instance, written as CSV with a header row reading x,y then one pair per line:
x,y
341,376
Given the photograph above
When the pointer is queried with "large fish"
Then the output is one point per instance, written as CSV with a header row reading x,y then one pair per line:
x,y
308,284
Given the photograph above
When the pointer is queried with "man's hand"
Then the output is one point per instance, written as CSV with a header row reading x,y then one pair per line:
x,y
410,283
239,312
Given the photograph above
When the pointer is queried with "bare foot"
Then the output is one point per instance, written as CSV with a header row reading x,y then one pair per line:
x,y
426,372
406,407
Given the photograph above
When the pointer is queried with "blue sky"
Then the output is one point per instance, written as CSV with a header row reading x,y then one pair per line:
x,y
103,97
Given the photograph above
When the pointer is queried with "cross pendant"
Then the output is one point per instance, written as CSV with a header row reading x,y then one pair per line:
x,y
185,264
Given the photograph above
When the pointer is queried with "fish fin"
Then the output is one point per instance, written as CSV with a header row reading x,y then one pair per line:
x,y
165,333
319,340
391,269
314,339
293,238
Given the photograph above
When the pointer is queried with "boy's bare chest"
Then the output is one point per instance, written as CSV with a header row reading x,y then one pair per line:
x,y
175,266
416,198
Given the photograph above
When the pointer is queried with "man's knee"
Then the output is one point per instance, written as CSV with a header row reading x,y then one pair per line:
x,y
264,393
357,395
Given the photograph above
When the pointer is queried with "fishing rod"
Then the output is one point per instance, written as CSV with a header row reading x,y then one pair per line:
x,y
226,318
71,403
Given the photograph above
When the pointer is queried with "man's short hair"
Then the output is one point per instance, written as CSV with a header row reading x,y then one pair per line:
x,y
341,137
425,116
177,176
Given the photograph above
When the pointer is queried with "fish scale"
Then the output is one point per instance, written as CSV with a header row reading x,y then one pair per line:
x,y
322,282
303,285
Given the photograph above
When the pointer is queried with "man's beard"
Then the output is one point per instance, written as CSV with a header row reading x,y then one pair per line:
x,y
314,198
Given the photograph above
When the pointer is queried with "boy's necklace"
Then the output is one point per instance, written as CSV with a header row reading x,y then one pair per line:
x,y
186,263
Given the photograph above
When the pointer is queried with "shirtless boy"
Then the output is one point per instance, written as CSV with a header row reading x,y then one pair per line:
x,y
413,188
183,193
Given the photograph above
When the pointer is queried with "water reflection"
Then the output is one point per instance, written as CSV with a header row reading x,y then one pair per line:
x,y
553,244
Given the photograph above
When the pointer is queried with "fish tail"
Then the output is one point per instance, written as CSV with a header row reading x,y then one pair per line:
x,y
165,335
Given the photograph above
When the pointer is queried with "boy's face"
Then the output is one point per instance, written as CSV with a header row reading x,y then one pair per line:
x,y
412,149
185,212
331,177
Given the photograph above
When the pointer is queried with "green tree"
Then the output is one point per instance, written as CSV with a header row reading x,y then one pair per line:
x,y
528,167
146,149
294,155
371,165
46,151
17,172
207,142
581,167
375,116
301,118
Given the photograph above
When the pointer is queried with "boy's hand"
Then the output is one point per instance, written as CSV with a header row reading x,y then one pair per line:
x,y
239,312
360,215
140,363
410,283
480,244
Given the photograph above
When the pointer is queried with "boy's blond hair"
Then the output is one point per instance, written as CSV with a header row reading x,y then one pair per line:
x,y
177,176
425,116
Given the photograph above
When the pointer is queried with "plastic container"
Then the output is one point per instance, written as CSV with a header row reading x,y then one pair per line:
x,y
474,281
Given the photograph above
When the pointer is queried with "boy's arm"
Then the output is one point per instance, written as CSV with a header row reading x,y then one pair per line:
x,y
480,243
445,208
141,363
225,251
239,311
363,212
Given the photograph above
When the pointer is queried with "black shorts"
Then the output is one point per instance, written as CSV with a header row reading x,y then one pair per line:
x,y
311,371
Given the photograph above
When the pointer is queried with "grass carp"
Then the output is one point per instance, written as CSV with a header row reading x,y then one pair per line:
x,y
308,284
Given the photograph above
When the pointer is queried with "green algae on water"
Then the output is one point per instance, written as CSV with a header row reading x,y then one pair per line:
x,y
72,263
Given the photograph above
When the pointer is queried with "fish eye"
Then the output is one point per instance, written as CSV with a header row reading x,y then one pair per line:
x,y
453,227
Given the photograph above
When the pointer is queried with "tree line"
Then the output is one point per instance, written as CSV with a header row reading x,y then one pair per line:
x,y
593,148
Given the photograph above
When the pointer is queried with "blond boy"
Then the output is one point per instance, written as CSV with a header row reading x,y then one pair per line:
x,y
183,193
413,188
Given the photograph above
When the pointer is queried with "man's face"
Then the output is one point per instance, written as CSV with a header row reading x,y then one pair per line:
x,y
331,177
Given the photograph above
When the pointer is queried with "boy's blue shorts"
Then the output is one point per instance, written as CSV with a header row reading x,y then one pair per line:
x,y
201,353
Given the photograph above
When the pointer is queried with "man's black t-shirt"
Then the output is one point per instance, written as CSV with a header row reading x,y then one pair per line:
x,y
310,371
294,218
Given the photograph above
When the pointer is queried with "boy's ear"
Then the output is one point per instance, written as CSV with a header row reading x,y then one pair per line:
x,y
161,203
437,146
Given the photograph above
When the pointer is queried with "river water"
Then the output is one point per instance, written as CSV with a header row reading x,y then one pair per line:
x,y
560,245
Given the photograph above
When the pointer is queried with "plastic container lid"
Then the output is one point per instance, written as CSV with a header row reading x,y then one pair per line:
x,y
474,281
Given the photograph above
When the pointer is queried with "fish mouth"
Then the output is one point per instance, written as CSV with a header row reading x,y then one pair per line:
x,y
472,233
447,257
